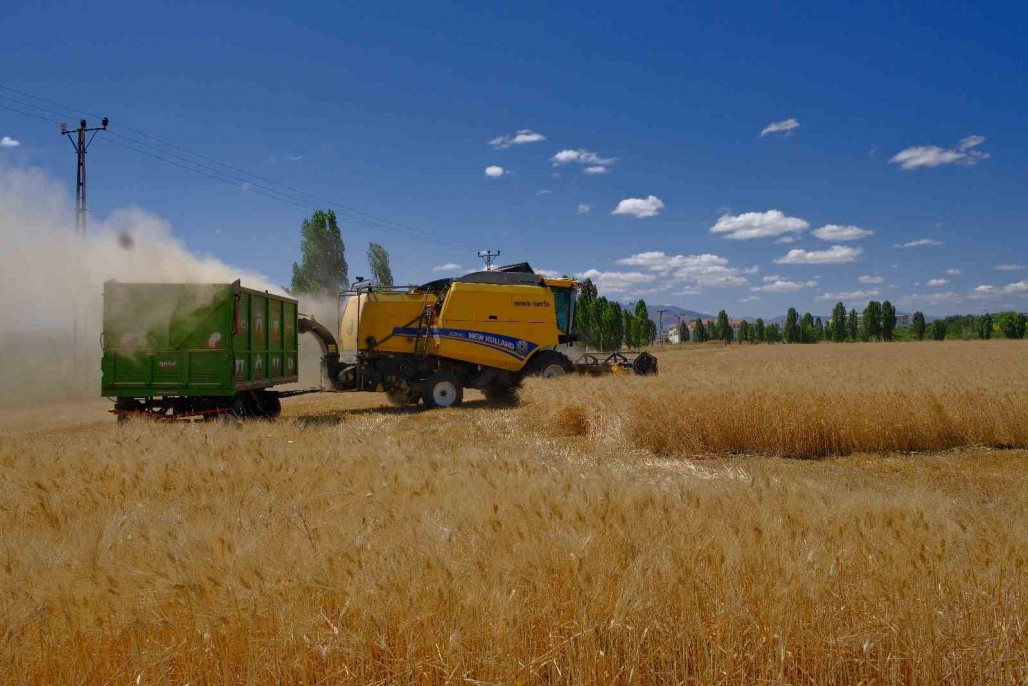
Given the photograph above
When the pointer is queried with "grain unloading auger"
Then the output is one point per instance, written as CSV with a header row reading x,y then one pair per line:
x,y
486,330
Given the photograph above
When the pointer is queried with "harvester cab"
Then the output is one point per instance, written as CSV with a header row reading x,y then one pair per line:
x,y
486,330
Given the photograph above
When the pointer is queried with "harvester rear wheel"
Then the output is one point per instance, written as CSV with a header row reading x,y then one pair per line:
x,y
442,389
548,364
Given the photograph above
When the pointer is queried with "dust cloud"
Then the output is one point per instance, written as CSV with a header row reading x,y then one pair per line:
x,y
51,284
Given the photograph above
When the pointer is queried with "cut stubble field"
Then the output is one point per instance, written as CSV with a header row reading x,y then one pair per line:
x,y
828,513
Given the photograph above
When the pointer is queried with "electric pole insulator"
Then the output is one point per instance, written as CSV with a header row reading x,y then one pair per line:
x,y
488,256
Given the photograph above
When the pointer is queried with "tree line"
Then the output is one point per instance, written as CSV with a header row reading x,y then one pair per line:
x,y
605,325
877,322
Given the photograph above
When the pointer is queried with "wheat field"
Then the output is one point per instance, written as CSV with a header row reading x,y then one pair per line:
x,y
784,514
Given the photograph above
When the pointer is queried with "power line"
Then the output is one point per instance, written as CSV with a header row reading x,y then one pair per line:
x,y
268,185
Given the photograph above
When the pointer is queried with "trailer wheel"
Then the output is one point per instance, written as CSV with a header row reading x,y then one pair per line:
x,y
267,405
548,364
442,389
239,409
126,405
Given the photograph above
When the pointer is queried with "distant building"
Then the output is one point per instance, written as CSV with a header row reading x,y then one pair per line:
x,y
673,336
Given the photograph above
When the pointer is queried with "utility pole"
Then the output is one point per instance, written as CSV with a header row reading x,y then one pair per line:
x,y
660,325
488,256
81,145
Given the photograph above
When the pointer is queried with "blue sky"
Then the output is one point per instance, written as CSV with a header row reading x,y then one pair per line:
x,y
390,108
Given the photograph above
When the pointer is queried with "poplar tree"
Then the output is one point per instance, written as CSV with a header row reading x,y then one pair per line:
x,y
322,267
683,331
807,328
983,326
792,329
888,322
873,321
378,261
919,325
700,331
839,322
744,331
852,325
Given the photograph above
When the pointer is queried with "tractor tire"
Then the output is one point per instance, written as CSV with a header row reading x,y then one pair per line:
x,y
548,364
404,397
442,389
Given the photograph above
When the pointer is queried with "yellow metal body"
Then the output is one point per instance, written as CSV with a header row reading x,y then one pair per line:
x,y
487,324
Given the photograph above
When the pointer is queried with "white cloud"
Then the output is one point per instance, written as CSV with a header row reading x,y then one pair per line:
x,y
771,277
836,232
640,207
698,270
784,127
953,272
1019,287
749,299
544,191
837,254
914,299
784,286
549,273
583,209
581,156
916,243
849,295
1009,267
689,290
448,267
758,225
937,282
985,291
8,142
785,239
494,172
521,137
751,270
871,279
616,282
933,156
294,158
596,170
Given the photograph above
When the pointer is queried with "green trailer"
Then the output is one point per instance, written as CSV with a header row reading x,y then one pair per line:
x,y
196,350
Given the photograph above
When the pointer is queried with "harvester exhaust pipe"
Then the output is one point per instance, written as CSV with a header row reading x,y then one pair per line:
x,y
330,367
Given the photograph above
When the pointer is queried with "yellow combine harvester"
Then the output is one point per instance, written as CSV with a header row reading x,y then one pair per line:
x,y
485,330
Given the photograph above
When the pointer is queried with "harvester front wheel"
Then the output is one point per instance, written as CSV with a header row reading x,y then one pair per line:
x,y
402,397
548,364
442,389
500,392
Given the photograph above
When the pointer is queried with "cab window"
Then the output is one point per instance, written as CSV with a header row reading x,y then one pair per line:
x,y
563,304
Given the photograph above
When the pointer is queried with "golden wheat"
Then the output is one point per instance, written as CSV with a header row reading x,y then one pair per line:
x,y
546,542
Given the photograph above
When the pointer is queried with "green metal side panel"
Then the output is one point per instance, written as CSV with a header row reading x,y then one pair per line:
x,y
195,340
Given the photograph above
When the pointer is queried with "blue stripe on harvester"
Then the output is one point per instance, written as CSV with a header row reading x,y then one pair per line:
x,y
515,347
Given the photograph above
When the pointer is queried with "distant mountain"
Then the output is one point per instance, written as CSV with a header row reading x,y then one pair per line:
x,y
673,313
